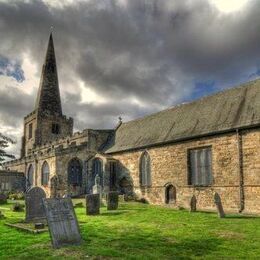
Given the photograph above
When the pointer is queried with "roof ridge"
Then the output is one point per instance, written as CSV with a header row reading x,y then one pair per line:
x,y
229,89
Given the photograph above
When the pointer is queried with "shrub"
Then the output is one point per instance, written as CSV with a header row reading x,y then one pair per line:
x,y
143,200
16,196
17,207
3,199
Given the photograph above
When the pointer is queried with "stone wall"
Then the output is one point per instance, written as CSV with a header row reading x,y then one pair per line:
x,y
12,181
169,166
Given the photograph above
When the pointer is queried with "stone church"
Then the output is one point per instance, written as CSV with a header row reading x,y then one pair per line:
x,y
199,148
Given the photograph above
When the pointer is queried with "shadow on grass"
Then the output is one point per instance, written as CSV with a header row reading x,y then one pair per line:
x,y
200,247
112,213
241,217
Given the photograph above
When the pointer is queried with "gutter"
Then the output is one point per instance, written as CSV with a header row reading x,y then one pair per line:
x,y
240,171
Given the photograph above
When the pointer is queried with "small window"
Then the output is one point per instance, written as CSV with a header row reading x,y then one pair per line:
x,y
200,166
145,170
55,129
30,131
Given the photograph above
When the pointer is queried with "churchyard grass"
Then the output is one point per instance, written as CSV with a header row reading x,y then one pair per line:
x,y
140,231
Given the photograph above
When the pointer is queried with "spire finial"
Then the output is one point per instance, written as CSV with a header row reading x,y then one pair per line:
x,y
51,29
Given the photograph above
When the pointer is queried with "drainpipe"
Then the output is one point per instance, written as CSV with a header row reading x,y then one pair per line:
x,y
240,171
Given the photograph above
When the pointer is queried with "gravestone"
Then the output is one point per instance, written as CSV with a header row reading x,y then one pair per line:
x,y
92,204
219,206
112,200
34,205
3,198
62,222
121,198
1,215
193,204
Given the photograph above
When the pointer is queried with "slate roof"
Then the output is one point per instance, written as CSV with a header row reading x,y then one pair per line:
x,y
228,110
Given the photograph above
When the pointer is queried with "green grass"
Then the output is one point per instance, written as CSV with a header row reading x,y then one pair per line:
x,y
140,231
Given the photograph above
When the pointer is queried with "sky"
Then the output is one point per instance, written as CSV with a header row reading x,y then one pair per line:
x,y
125,58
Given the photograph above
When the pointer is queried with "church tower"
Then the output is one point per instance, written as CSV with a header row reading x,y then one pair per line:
x,y
46,123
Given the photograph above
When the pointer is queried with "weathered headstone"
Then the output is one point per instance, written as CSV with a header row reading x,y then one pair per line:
x,y
34,205
92,204
121,198
62,222
219,206
193,204
3,198
1,215
112,200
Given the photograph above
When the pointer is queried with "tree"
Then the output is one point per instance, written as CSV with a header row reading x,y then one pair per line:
x,y
4,143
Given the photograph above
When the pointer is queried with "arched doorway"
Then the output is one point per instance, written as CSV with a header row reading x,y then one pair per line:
x,y
30,178
170,194
75,176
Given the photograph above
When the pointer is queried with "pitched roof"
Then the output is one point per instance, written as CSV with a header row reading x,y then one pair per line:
x,y
227,110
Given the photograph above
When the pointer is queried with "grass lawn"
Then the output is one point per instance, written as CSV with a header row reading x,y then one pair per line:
x,y
140,231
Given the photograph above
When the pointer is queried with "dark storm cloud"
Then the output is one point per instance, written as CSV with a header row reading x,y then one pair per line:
x,y
14,105
154,51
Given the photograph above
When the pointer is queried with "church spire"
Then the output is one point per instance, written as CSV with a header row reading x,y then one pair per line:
x,y
48,98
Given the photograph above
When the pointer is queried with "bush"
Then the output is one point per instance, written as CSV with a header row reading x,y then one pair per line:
x,y
17,207
16,196
143,200
3,199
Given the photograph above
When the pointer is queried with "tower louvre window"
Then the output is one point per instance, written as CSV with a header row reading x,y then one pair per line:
x,y
55,129
30,131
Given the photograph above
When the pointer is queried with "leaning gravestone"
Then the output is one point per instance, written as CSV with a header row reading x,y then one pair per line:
x,y
92,204
193,204
112,200
219,206
62,222
3,198
34,205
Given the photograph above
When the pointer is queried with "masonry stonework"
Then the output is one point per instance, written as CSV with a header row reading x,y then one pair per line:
x,y
169,166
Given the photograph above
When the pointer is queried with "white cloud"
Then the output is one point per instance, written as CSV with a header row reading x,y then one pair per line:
x,y
229,6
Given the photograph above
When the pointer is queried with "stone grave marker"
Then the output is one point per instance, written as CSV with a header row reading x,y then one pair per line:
x,y
92,204
112,200
121,198
193,204
34,205
219,206
62,222
3,198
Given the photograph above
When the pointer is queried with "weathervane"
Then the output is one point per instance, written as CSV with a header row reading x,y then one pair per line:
x,y
51,28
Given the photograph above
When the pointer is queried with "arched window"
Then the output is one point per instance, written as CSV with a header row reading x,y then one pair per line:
x,y
170,194
45,174
29,179
145,170
75,172
97,170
